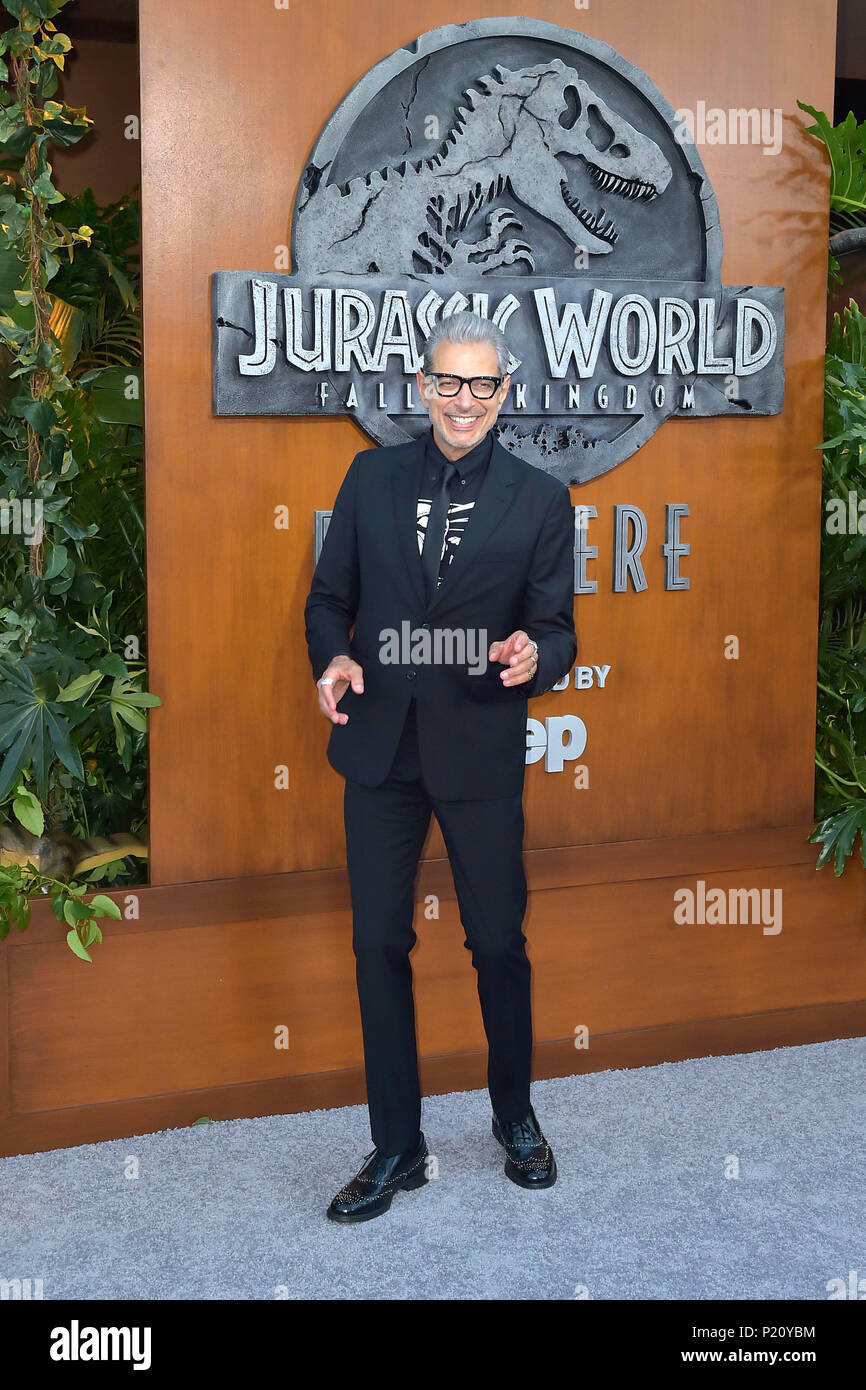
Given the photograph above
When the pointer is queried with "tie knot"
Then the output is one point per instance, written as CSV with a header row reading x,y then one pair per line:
x,y
449,471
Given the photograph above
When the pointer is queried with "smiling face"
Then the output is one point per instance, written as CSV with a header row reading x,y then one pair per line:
x,y
460,422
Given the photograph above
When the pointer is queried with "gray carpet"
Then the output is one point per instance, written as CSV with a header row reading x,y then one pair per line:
x,y
642,1208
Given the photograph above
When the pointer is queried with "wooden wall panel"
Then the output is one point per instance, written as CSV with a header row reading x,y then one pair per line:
x,y
682,741
177,1016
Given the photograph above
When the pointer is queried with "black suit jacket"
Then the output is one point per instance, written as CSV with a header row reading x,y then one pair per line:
x,y
514,568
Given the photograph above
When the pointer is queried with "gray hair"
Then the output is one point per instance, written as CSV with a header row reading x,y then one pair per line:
x,y
467,327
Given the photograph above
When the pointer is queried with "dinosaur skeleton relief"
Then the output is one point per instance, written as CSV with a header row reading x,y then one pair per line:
x,y
533,175
507,141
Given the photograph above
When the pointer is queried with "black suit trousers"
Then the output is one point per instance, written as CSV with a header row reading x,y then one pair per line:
x,y
386,827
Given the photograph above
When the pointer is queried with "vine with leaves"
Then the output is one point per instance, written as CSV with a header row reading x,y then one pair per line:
x,y
72,698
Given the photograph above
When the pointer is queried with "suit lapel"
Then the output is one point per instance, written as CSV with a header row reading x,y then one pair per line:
x,y
495,496
405,497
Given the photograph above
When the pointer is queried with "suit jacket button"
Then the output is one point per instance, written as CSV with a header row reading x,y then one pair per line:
x,y
410,675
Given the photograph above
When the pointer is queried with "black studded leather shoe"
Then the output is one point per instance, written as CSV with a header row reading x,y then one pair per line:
x,y
370,1191
529,1158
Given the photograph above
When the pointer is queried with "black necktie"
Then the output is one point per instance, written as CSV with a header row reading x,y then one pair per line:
x,y
434,535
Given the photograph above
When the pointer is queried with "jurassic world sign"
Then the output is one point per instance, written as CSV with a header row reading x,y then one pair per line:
x,y
530,174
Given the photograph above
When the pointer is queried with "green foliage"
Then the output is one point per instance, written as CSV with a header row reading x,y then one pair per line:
x,y
27,810
846,146
19,882
72,598
840,742
840,753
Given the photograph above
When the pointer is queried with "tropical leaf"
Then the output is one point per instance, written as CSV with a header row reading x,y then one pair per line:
x,y
33,730
117,396
76,945
846,146
838,834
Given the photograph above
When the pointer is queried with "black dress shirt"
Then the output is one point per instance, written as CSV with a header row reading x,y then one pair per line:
x,y
465,486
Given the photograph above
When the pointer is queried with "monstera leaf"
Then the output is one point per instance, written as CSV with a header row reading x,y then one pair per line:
x,y
846,146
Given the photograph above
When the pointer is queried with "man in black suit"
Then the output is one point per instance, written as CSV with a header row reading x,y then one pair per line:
x,y
454,561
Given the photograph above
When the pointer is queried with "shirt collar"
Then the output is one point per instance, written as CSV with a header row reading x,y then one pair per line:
x,y
468,464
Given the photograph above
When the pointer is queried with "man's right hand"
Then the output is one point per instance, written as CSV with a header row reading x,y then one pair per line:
x,y
343,671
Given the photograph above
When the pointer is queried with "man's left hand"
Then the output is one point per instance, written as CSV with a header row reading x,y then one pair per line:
x,y
519,653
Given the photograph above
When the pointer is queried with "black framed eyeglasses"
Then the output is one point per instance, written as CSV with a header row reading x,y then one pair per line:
x,y
482,387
